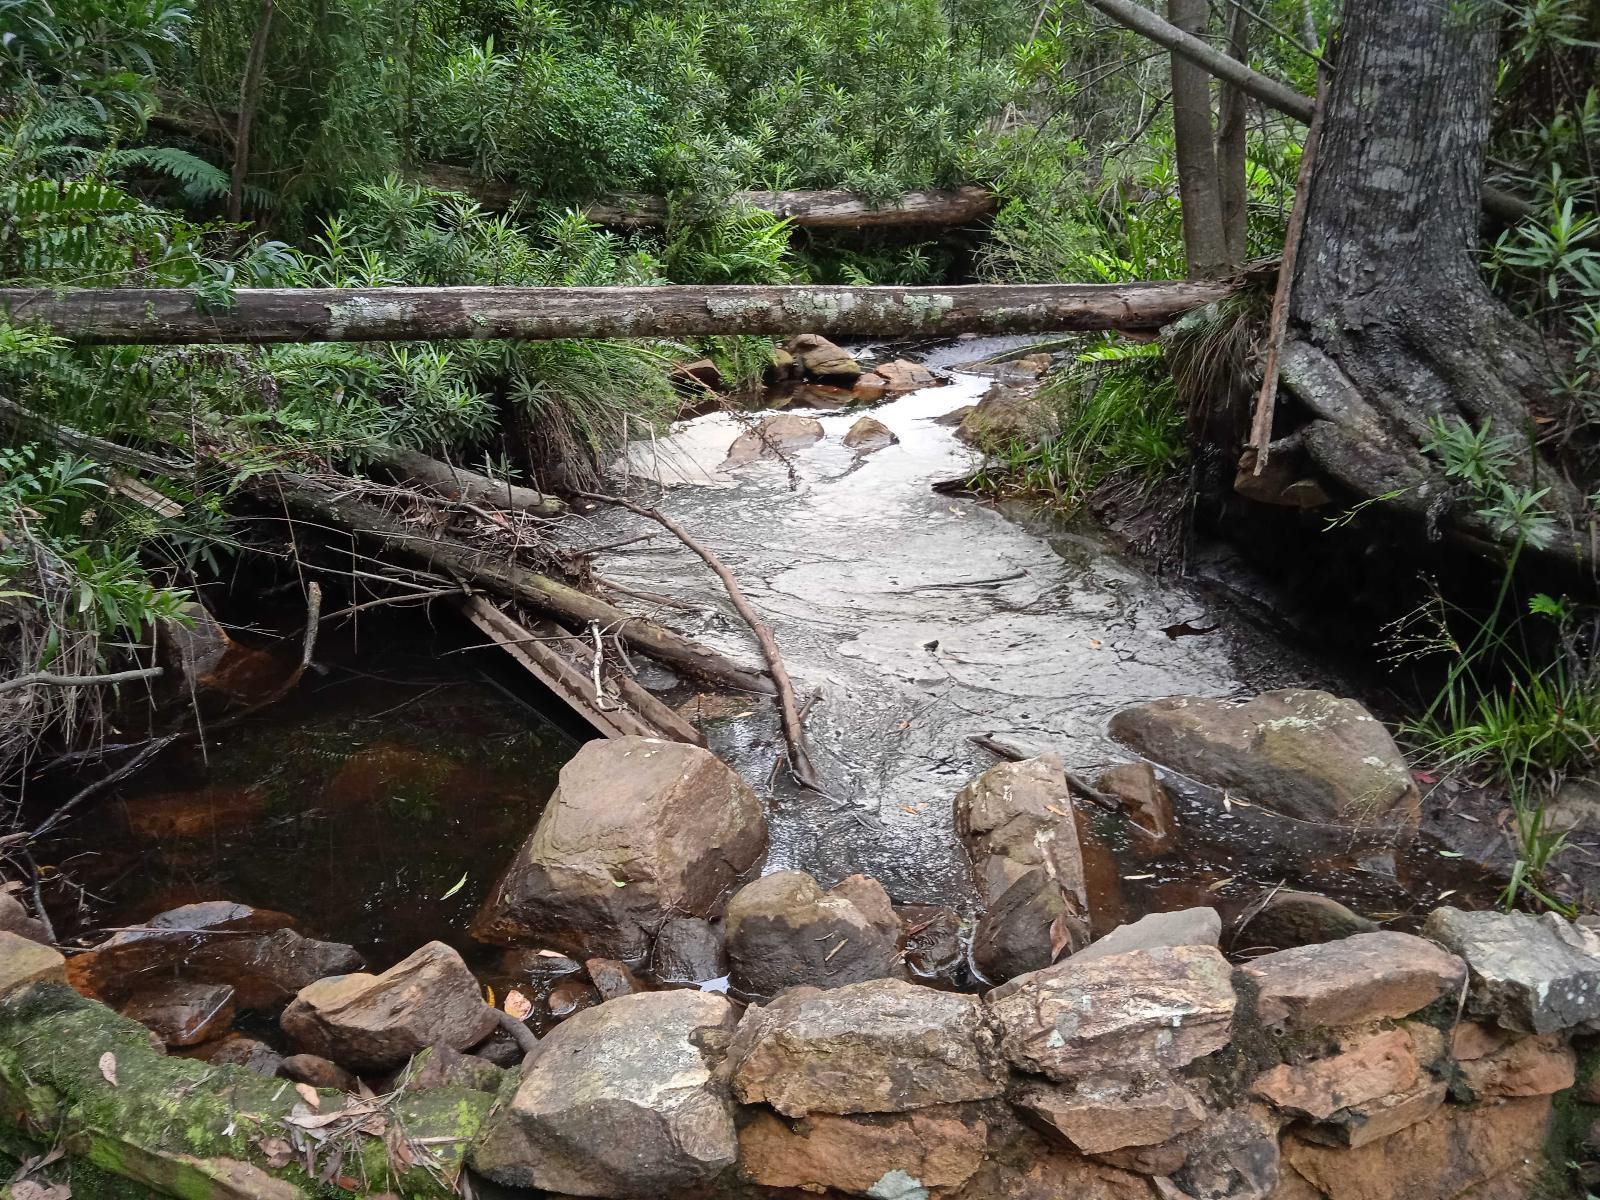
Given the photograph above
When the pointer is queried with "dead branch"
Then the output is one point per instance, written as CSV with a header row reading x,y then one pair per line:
x,y
308,643
407,466
47,679
34,424
788,708
100,785
1076,782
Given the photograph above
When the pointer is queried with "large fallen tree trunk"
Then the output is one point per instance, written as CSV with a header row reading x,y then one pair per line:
x,y
504,578
830,208
150,316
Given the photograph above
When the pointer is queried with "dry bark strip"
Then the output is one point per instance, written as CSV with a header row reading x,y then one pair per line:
x,y
169,316
794,732
458,483
508,579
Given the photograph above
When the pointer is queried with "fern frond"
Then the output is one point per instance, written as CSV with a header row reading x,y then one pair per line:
x,y
200,180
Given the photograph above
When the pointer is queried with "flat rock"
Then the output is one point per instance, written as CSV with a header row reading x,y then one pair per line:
x,y
24,961
1187,927
783,930
1289,919
637,829
1367,977
371,1022
181,1013
621,1101
688,950
1363,1069
1525,1066
869,434
1306,754
1525,975
904,376
879,1046
775,434
894,1156
1098,1117
1146,1012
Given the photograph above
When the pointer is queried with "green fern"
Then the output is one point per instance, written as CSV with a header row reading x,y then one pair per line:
x,y
200,180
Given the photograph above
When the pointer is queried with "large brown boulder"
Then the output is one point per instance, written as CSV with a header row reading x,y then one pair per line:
x,y
777,433
905,376
1368,977
372,1022
621,1101
880,1046
638,830
1005,417
1306,754
821,359
784,930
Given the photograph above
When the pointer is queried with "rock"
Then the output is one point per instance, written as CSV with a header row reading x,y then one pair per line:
x,y
1031,1168
1117,1017
1149,808
1575,808
14,918
879,1156
1187,927
870,388
251,949
1005,416
636,829
777,433
783,365
1441,1157
700,375
440,1066
1021,814
237,1050
1363,978
201,660
956,416
24,961
1362,1069
211,812
1098,1117
372,1022
688,950
1360,1124
612,978
570,996
1589,1090
879,1046
1469,1040
1306,754
1028,928
182,1014
869,434
620,1101
821,359
1233,1156
1528,1066
903,376
1290,919
1524,975
933,944
317,1071
500,1050
783,930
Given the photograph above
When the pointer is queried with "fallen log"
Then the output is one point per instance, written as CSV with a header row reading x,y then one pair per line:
x,y
169,316
559,600
458,483
829,208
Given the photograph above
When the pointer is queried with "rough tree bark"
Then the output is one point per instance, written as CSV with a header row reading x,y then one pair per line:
x,y
1391,322
249,98
1204,245
1231,166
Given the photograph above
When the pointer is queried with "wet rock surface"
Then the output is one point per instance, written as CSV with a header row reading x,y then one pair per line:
x,y
24,961
14,918
318,1072
823,360
621,1101
783,930
869,434
774,435
1304,753
879,1046
370,1022
1186,927
1290,918
688,950
1525,974
182,1014
1005,416
1363,978
638,829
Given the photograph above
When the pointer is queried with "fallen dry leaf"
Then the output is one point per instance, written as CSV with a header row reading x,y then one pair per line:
x,y
1060,936
309,1095
518,1006
276,1152
29,1189
108,1067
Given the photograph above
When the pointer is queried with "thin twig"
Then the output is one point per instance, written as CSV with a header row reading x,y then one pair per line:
x,y
48,679
788,709
99,785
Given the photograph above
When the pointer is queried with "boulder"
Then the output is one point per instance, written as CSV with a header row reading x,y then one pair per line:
x,y
879,1046
621,1101
1144,1012
1032,1168
1289,919
1017,816
253,950
24,961
237,1050
870,388
701,375
1526,1066
1101,1116
895,1156
1362,1068
821,359
14,918
1145,800
440,1066
180,1013
636,829
1368,977
903,376
777,433
1030,926
1187,927
1525,974
1005,416
1305,754
688,950
954,418
784,930
318,1072
612,978
372,1022
869,434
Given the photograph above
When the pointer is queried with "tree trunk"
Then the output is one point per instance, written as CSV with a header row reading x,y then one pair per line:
x,y
249,98
1204,245
1391,322
1231,165
140,316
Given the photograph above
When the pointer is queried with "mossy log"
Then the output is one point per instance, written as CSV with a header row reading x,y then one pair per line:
x,y
77,1075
